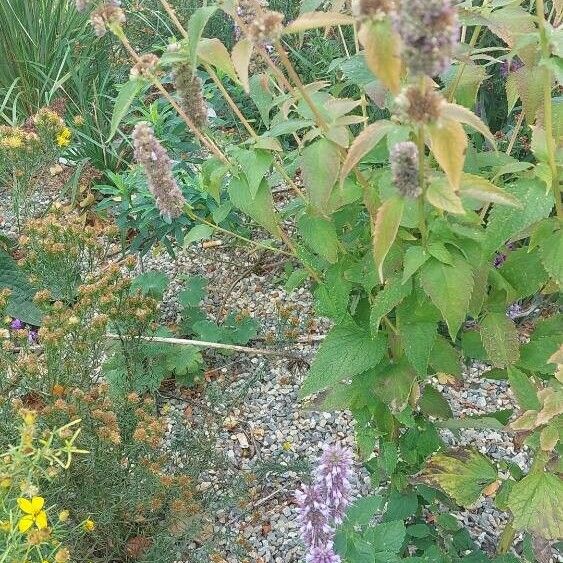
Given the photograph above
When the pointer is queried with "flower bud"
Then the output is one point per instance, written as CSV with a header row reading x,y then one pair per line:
x,y
404,167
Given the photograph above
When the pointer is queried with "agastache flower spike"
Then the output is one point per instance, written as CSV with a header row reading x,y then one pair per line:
x,y
158,169
323,555
333,477
429,31
313,516
189,88
109,13
404,167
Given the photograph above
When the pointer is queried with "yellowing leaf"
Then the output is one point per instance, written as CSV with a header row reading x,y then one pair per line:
x,y
441,195
363,143
314,20
382,52
480,188
384,230
448,142
241,55
214,53
459,113
527,83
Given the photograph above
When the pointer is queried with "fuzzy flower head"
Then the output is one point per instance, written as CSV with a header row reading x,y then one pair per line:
x,y
106,15
324,554
404,168
266,28
314,516
429,31
189,88
419,107
145,66
373,9
152,156
332,476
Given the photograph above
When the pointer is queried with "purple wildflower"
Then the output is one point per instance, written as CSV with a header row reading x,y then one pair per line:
x,y
323,554
509,66
333,478
17,324
33,337
499,259
314,516
514,311
404,166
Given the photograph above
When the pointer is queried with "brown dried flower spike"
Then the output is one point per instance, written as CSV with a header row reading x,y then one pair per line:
x,y
371,8
145,67
109,13
266,28
419,106
189,88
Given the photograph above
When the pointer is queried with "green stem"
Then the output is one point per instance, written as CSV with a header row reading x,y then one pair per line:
x,y
548,109
422,183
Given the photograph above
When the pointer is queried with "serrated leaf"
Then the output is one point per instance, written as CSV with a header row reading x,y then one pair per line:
x,y
214,53
198,233
462,474
524,390
527,83
320,165
386,538
535,503
417,341
448,143
445,358
320,235
551,256
384,230
467,85
449,288
382,52
415,257
125,97
195,289
241,55
255,164
364,143
433,403
259,207
314,20
442,195
481,189
196,24
346,351
393,386
386,300
151,283
505,222
459,114
524,272
500,339
361,512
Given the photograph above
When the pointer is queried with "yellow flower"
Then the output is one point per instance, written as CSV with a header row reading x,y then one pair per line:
x,y
63,138
12,142
78,120
89,525
34,513
63,515
5,526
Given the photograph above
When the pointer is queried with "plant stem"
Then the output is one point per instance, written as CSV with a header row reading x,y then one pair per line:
x,y
548,109
172,14
422,183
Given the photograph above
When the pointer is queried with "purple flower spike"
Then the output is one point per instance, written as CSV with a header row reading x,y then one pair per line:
x,y
323,555
16,324
333,477
314,516
33,337
499,259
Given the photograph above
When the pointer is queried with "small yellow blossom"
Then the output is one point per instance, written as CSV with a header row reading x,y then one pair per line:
x,y
63,515
287,445
33,513
78,120
5,483
5,526
89,525
63,138
12,142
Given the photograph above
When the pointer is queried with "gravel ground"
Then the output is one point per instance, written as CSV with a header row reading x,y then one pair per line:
x,y
269,431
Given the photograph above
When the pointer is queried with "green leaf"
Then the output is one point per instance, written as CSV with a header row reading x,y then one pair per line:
x,y
535,503
126,96
20,303
524,390
534,355
346,351
505,222
198,233
415,257
500,339
387,537
363,510
153,284
481,189
259,207
443,196
551,255
320,235
462,474
388,456
320,165
449,288
433,403
255,165
417,340
394,385
386,300
440,252
445,358
523,270
384,230
184,360
196,24
194,291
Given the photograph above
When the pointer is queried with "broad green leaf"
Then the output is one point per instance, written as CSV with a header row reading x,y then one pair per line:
x,y
153,284
241,55
394,385
535,503
534,355
320,165
363,144
387,537
196,24
288,126
481,189
260,207
194,291
445,358
125,97
314,20
417,341
467,84
524,271
320,235
441,195
346,351
332,296
551,255
215,54
261,96
449,288
439,251
459,114
255,165
361,512
384,230
461,473
524,390
198,233
386,300
526,83
448,143
506,222
433,403
382,51
415,257
20,303
500,339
